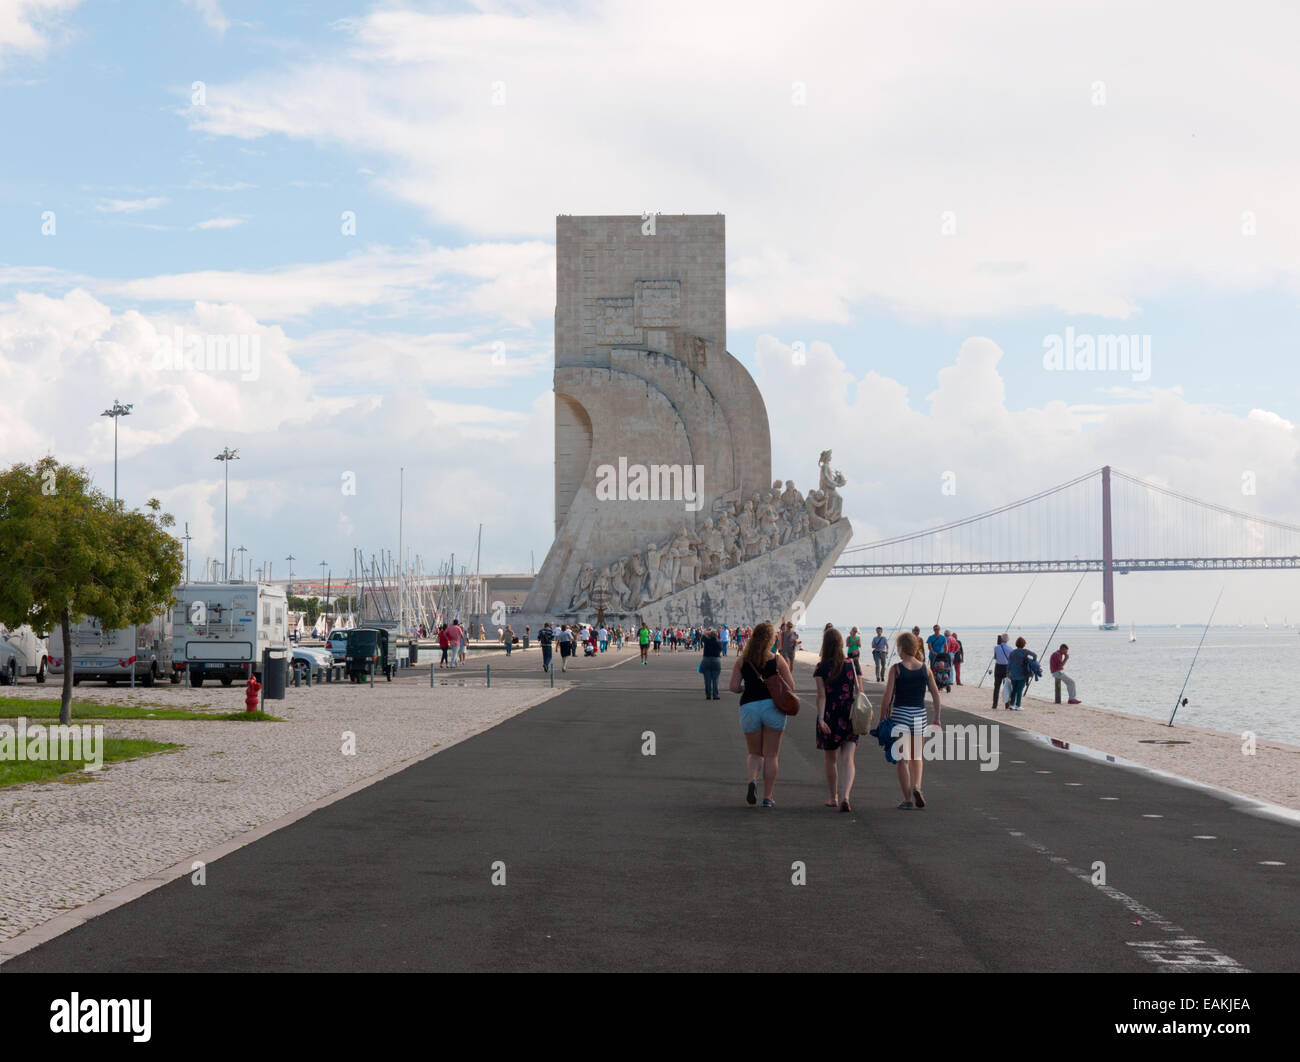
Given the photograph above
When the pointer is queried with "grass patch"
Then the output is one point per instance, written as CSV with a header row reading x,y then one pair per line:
x,y
13,707
15,772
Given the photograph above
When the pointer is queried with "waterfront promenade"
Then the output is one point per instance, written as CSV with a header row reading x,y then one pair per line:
x,y
615,860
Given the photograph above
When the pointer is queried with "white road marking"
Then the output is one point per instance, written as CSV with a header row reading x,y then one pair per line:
x,y
1153,816
1110,798
1179,951
1204,837
1270,863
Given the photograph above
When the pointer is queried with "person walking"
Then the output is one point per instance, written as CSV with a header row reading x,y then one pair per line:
x,y
444,641
904,704
545,638
659,637
644,637
761,721
880,653
1001,657
711,664
455,636
1056,667
789,643
509,637
565,638
853,647
1018,671
837,687
957,652
724,636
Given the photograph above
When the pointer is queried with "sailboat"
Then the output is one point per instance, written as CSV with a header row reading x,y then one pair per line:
x,y
1132,633
1265,623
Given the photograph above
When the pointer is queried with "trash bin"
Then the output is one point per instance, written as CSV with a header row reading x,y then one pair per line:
x,y
415,652
275,673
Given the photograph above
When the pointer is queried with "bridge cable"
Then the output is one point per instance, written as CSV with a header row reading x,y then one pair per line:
x,y
972,519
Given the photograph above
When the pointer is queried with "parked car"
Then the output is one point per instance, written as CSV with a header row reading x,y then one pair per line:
x,y
337,644
309,661
21,653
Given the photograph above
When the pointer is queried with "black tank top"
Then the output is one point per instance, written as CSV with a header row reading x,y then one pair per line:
x,y
755,685
910,686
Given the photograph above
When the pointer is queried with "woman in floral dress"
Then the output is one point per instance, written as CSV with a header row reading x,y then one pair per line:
x,y
837,686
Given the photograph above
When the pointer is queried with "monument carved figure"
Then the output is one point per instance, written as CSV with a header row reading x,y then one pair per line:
x,y
643,381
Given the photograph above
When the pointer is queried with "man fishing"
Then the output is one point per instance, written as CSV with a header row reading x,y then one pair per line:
x,y
1056,665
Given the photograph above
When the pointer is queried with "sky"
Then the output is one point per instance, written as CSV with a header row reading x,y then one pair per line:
x,y
918,199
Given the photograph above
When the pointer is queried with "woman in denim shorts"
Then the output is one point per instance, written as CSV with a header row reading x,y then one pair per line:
x,y
761,721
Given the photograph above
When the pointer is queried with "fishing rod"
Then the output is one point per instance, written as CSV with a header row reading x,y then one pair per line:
x,y
901,616
1180,702
1061,617
942,599
987,668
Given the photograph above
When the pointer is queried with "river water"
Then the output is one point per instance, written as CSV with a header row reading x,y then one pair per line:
x,y
1242,679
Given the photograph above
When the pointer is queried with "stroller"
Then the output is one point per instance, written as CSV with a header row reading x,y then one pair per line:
x,y
942,668
588,649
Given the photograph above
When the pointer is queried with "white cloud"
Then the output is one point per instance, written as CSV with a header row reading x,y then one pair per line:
x,y
130,206
908,114
514,282
30,26
213,17
220,223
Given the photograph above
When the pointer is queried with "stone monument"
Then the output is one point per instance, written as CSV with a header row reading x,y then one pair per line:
x,y
665,507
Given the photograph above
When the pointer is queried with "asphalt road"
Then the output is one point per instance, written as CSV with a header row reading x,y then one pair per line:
x,y
616,860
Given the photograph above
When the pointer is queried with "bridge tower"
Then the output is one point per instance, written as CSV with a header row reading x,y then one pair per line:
x,y
1107,554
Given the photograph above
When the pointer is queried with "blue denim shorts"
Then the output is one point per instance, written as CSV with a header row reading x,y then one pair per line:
x,y
758,714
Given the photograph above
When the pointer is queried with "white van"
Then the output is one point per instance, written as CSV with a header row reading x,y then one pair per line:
x,y
113,656
21,653
219,630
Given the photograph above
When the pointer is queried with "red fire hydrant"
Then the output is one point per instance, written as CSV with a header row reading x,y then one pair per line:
x,y
250,694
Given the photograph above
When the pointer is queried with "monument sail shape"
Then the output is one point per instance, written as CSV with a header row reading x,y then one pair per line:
x,y
665,506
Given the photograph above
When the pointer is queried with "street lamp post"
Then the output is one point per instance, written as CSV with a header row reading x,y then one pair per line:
x,y
225,457
117,410
186,538
241,551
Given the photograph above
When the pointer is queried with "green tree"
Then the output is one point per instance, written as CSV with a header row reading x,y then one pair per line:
x,y
67,554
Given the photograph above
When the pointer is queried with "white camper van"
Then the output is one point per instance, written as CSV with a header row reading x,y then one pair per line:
x,y
113,656
220,629
21,653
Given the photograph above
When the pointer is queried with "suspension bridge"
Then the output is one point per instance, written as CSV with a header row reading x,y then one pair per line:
x,y
1104,521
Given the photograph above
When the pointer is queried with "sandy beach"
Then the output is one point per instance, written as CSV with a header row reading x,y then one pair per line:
x,y
1212,757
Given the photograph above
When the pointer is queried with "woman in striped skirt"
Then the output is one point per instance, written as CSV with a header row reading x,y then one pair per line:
x,y
904,703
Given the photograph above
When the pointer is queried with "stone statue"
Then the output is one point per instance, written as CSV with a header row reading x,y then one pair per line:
x,y
582,593
833,505
768,528
636,580
813,510
686,561
748,531
712,550
614,578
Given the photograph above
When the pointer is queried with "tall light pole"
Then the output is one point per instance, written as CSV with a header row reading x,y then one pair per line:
x,y
241,551
225,457
186,538
117,410
290,559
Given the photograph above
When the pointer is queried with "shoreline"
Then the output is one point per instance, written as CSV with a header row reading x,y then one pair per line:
x,y
1207,757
